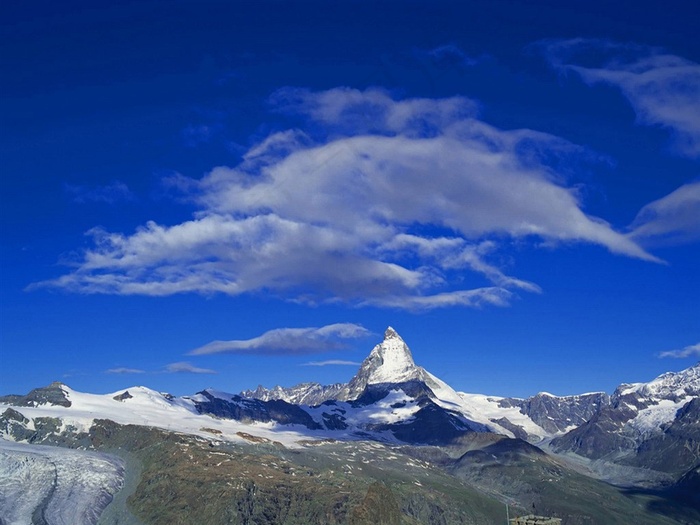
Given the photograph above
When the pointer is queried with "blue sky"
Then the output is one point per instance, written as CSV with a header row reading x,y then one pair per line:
x,y
221,194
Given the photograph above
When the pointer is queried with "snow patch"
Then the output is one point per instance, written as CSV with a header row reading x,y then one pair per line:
x,y
651,418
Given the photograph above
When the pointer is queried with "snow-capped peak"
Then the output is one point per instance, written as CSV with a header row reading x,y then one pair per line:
x,y
390,333
390,361
670,385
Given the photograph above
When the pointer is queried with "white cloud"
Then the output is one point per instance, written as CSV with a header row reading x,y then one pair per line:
x,y
375,111
475,298
187,368
673,219
688,351
402,204
289,341
124,370
663,89
332,362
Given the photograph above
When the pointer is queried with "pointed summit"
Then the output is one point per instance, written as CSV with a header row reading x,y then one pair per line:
x,y
390,333
391,360
388,362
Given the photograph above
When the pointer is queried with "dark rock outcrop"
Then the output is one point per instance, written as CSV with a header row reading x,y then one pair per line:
x,y
248,410
52,394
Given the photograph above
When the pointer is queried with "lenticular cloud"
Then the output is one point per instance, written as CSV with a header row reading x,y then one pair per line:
x,y
394,203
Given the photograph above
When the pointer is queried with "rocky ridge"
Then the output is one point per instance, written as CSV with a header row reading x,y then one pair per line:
x,y
654,424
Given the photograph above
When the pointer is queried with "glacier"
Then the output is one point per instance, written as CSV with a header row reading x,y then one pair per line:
x,y
55,486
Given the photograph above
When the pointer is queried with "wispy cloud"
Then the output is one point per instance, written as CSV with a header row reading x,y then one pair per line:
x,y
332,362
450,55
124,370
673,219
289,341
663,89
111,193
385,202
688,351
187,368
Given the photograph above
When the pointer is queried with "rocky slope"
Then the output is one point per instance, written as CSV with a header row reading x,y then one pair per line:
x,y
654,425
557,414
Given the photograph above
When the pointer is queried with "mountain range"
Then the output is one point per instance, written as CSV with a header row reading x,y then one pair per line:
x,y
638,449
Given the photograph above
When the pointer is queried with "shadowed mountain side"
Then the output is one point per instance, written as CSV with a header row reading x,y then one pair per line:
x,y
544,485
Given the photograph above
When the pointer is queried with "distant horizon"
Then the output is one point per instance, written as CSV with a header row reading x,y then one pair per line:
x,y
271,387
239,194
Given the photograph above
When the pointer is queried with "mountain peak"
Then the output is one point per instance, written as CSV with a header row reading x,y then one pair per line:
x,y
670,385
390,361
390,333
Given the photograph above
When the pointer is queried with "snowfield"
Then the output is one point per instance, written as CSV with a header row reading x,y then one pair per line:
x,y
651,418
150,408
64,487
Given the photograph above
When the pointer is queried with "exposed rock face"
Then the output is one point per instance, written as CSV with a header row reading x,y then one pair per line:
x,y
518,431
14,425
123,396
388,362
676,446
654,425
559,413
52,395
310,394
431,425
242,409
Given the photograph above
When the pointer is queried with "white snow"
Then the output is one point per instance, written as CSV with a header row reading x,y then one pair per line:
x,y
150,408
671,384
651,418
397,366
485,408
397,363
389,362
394,408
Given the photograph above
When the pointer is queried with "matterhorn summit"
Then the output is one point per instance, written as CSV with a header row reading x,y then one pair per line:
x,y
390,361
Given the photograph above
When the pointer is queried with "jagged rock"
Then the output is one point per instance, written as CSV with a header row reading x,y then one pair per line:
x,y
559,413
242,409
52,394
11,414
123,396
14,425
654,425
518,431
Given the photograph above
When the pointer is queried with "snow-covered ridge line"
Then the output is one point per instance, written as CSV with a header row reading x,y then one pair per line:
x,y
351,411
145,407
